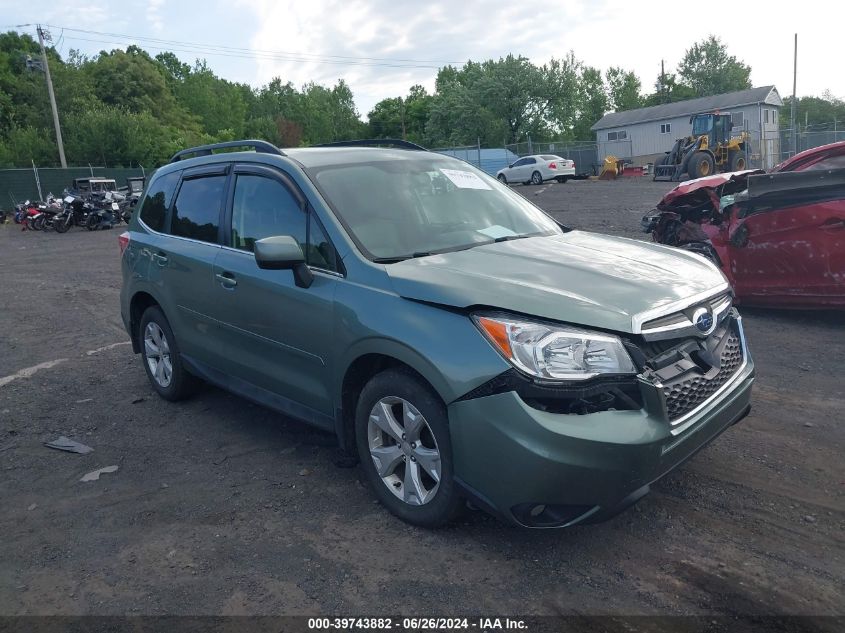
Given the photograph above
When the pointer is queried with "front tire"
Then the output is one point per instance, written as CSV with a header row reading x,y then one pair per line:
x,y
502,179
161,356
701,164
536,178
403,441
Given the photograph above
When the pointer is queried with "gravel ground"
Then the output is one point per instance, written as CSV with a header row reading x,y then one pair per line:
x,y
219,506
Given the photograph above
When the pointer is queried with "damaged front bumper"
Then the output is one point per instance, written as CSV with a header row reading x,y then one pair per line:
x,y
539,468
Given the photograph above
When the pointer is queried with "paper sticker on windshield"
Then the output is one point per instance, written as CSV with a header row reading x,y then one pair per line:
x,y
464,179
496,231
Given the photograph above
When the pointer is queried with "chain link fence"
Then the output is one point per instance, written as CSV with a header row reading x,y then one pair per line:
x,y
584,153
35,183
492,159
768,148
488,159
809,137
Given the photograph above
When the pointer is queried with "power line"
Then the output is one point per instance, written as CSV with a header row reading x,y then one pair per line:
x,y
270,54
277,57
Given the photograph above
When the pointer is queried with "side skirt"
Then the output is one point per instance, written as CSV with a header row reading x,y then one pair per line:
x,y
259,395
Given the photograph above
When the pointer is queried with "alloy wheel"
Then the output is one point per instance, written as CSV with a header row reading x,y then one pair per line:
x,y
157,354
404,451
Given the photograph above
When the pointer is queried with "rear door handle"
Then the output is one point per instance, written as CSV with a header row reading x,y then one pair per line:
x,y
227,280
832,224
159,258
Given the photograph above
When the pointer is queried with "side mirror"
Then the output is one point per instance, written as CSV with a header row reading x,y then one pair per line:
x,y
282,252
511,166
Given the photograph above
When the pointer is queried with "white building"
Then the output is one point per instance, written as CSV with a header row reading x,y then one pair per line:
x,y
645,134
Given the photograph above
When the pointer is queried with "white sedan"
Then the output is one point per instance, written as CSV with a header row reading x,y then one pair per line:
x,y
535,169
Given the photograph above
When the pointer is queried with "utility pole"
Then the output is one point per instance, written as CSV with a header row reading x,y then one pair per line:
x,y
42,35
792,105
663,81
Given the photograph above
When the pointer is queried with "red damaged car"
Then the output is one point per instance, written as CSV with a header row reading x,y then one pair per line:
x,y
778,237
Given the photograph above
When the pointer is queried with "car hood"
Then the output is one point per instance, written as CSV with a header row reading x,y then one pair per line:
x,y
577,277
706,182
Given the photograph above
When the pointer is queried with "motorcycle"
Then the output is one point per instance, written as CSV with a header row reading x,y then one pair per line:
x,y
30,215
105,213
75,212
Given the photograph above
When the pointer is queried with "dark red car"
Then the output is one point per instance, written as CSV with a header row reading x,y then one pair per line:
x,y
778,237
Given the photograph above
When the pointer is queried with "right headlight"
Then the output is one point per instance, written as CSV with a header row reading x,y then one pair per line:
x,y
555,352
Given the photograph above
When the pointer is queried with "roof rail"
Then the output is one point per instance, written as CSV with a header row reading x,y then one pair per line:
x,y
206,150
375,142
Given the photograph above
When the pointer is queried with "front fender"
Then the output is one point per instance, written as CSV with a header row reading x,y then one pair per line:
x,y
442,345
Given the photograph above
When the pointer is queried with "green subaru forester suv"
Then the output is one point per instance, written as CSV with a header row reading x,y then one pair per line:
x,y
454,337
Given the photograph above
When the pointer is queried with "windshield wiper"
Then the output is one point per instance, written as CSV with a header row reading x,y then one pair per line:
x,y
508,238
401,258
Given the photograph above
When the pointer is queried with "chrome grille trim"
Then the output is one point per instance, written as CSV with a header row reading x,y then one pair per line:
x,y
678,324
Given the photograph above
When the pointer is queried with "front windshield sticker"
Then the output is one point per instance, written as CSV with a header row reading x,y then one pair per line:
x,y
464,179
496,231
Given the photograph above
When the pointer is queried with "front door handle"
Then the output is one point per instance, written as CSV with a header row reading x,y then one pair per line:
x,y
833,224
227,280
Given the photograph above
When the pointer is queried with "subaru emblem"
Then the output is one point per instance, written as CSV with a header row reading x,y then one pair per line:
x,y
703,320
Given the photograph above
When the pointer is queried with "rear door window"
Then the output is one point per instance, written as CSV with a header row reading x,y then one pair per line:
x,y
196,213
157,201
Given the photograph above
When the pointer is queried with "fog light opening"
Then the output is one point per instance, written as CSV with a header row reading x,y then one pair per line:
x,y
537,510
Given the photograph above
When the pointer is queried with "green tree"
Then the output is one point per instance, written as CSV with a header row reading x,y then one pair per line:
x,y
217,103
592,103
387,119
25,145
708,69
668,90
398,117
561,94
623,89
133,80
817,112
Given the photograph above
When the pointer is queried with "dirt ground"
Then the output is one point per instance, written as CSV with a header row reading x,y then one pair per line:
x,y
219,506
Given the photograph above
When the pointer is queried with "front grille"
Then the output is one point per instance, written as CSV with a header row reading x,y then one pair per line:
x,y
677,324
685,395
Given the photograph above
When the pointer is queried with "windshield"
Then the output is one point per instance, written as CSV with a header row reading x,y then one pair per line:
x,y
702,125
407,208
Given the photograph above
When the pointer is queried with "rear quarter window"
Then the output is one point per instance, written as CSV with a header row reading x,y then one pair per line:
x,y
157,201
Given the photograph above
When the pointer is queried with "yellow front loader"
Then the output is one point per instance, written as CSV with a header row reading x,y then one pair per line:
x,y
710,149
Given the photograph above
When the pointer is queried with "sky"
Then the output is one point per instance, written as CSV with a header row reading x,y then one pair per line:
x,y
382,47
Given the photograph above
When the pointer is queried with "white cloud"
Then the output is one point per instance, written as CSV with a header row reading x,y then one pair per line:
x,y
154,16
602,34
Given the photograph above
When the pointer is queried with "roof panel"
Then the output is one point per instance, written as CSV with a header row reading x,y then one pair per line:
x,y
763,94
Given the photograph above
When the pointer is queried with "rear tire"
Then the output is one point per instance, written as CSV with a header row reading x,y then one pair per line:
x,y
414,478
736,161
701,164
536,178
161,357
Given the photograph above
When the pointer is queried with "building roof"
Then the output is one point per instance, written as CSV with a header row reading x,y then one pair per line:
x,y
763,94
